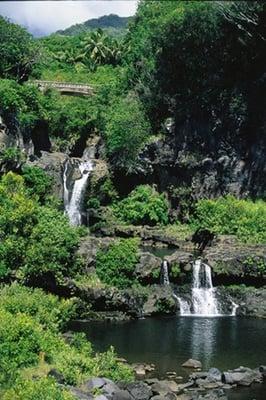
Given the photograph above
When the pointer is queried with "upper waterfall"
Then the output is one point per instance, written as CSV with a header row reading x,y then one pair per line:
x,y
73,199
165,273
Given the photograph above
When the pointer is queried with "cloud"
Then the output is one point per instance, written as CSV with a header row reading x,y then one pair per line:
x,y
44,17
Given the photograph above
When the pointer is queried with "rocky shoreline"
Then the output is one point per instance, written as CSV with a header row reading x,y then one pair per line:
x,y
212,384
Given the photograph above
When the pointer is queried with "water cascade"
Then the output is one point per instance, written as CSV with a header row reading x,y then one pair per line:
x,y
165,273
73,202
204,302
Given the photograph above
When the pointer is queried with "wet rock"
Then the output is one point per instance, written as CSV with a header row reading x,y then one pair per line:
x,y
164,387
241,377
139,390
214,375
141,370
191,363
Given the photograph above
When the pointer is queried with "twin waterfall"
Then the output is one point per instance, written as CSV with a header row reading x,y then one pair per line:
x,y
73,200
203,297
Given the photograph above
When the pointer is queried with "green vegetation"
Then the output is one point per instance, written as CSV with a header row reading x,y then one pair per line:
x,y
31,345
144,205
37,182
46,309
41,389
227,215
126,131
167,66
111,24
35,240
115,266
17,51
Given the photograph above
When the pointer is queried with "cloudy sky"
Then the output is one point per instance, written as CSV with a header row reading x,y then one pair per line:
x,y
44,17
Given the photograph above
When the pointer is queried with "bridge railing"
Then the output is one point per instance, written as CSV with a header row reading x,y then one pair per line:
x,y
63,85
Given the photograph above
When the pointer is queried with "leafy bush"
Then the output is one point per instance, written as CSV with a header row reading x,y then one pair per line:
x,y
35,240
21,341
126,131
41,389
52,246
46,309
144,205
37,182
17,51
115,266
30,344
227,215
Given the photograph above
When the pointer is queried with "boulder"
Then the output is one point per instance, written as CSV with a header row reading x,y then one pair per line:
x,y
95,383
191,363
241,377
148,268
139,390
214,375
122,395
53,164
164,387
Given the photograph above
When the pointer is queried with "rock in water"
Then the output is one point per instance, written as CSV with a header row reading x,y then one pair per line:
x,y
192,364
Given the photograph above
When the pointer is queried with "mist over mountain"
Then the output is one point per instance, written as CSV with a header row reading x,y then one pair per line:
x,y
112,24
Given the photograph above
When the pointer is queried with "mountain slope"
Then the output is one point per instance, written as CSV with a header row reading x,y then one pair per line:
x,y
112,24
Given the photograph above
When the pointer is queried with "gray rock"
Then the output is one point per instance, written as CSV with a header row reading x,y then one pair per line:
x,y
122,395
243,377
191,363
148,268
214,375
139,390
53,164
95,383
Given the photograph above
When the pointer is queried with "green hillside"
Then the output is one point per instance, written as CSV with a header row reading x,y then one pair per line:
x,y
112,24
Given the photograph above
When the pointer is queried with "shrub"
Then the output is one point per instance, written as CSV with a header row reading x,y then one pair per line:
x,y
21,341
77,362
52,246
47,309
35,240
41,389
115,266
37,182
227,215
144,205
126,131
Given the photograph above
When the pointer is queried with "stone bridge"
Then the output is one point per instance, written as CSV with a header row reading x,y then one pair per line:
x,y
65,87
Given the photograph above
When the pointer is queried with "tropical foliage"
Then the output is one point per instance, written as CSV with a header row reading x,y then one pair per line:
x,y
144,205
227,215
115,266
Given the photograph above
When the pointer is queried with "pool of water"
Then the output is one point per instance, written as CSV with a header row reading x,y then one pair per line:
x,y
225,343
160,252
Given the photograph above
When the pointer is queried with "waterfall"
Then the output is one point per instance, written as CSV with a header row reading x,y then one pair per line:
x,y
234,308
73,205
66,191
165,274
203,294
204,302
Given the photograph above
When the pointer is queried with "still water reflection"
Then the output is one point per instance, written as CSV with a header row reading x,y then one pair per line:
x,y
225,343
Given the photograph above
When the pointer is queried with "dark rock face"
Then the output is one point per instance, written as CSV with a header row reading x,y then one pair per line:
x,y
148,268
235,263
192,156
53,164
